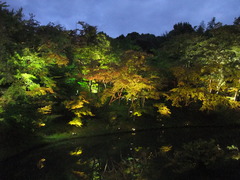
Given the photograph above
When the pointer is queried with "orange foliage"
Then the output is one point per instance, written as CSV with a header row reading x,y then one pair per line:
x,y
59,59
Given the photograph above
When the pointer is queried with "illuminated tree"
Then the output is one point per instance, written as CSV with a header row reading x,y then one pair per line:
x,y
129,81
78,107
26,80
213,75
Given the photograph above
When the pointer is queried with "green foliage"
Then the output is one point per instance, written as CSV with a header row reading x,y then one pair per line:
x,y
21,114
68,72
211,74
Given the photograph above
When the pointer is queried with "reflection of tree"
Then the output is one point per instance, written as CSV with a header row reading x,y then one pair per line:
x,y
163,162
131,167
86,168
91,168
140,164
197,154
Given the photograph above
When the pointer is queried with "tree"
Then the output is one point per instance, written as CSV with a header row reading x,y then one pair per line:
x,y
237,21
87,35
26,80
201,28
129,81
213,75
181,28
213,24
79,108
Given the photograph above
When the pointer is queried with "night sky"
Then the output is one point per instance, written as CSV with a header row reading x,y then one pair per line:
x,y
116,17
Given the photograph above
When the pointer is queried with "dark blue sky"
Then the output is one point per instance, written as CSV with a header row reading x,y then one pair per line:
x,y
116,17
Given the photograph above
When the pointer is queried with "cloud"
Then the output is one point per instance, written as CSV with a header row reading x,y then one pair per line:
x,y
116,17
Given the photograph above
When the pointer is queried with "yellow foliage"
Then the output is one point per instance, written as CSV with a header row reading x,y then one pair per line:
x,y
165,148
50,90
233,89
41,124
76,104
80,174
77,152
80,113
187,95
40,91
236,156
234,104
76,122
136,113
77,107
45,109
40,163
137,149
232,147
162,109
60,60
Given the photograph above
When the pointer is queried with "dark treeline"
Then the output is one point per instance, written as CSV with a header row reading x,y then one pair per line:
x,y
50,75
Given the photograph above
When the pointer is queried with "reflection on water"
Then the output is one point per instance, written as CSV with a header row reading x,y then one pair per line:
x,y
40,163
171,154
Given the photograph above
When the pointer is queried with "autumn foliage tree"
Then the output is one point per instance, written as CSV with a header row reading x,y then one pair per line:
x,y
213,73
50,74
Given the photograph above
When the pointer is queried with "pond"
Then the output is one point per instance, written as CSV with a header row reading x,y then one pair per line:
x,y
180,153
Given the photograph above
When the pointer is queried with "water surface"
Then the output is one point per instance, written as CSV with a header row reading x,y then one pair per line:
x,y
180,153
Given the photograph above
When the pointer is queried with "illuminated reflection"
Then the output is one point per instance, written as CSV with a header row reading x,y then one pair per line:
x,y
132,157
76,152
41,163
